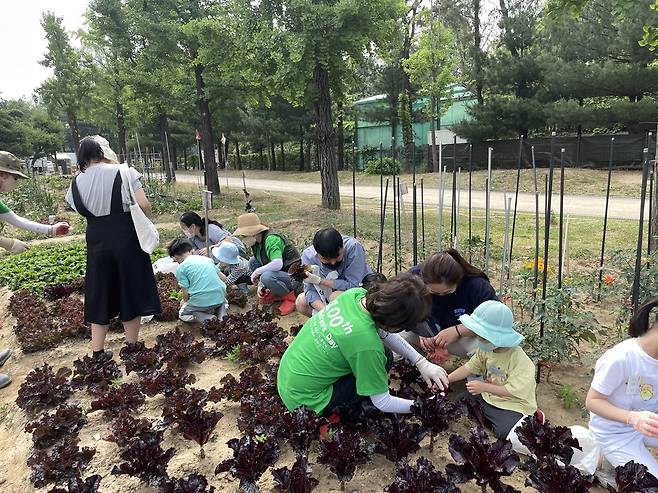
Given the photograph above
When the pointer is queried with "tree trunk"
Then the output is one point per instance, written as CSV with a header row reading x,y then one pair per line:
x,y
262,160
75,133
237,154
212,181
226,159
477,52
220,153
163,126
283,157
301,148
341,137
435,158
273,154
309,149
121,133
326,137
174,155
185,158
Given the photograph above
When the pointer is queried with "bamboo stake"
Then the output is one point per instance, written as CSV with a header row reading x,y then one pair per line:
x,y
635,295
470,174
561,223
508,207
354,186
400,207
414,219
547,234
565,257
381,229
487,211
605,218
459,179
441,210
453,199
536,267
516,194
395,225
422,214
382,206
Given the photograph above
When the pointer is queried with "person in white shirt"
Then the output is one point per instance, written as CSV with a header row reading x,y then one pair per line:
x,y
623,396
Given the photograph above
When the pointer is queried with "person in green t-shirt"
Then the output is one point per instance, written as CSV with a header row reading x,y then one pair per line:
x,y
341,355
273,256
506,391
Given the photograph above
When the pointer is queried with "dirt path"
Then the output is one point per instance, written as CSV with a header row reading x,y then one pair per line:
x,y
575,205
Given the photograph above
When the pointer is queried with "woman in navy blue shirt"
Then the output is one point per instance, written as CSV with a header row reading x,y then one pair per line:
x,y
457,288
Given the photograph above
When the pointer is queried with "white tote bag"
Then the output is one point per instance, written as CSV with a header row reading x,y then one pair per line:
x,y
147,234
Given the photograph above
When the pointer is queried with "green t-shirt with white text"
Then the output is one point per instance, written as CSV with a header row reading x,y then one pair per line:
x,y
274,246
339,340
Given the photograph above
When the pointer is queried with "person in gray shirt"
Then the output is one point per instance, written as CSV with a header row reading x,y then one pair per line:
x,y
338,263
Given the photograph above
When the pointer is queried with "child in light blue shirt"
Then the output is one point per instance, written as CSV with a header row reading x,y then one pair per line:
x,y
204,293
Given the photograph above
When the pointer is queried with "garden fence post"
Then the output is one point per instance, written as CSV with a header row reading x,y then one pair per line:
x,y
516,194
414,220
508,206
635,295
561,223
381,230
381,206
354,186
470,174
487,211
536,260
422,214
605,219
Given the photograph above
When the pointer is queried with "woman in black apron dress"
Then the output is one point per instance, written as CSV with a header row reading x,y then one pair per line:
x,y
119,279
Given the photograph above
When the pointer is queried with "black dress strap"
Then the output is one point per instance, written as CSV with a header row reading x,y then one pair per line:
x,y
77,200
116,205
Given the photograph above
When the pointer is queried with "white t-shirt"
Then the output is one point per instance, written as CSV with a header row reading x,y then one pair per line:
x,y
95,187
629,377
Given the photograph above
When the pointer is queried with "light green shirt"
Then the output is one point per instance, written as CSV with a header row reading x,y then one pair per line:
x,y
274,246
340,340
511,369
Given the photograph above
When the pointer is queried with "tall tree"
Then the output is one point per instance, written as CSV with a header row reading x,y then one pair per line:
x,y
431,67
315,38
67,89
109,36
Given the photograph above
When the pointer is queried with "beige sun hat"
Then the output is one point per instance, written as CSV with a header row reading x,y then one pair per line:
x,y
11,164
108,153
249,225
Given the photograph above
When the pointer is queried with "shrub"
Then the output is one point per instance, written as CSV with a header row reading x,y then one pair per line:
x,y
387,166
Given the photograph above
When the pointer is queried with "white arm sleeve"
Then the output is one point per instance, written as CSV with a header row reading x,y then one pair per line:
x,y
397,344
388,403
274,265
21,222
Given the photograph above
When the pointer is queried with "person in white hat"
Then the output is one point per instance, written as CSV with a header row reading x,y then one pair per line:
x,y
119,279
506,391
236,272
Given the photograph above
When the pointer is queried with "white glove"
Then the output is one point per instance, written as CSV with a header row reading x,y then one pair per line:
x,y
645,422
12,245
432,374
18,246
312,278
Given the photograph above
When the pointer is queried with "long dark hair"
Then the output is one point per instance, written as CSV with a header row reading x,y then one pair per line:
x,y
399,303
89,150
640,322
190,218
448,267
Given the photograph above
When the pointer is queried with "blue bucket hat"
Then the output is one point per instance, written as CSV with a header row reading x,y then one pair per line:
x,y
493,321
226,252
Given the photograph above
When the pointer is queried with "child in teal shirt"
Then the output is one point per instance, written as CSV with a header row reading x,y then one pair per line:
x,y
204,293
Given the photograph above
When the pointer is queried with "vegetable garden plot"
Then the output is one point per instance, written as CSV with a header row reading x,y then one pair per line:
x,y
175,398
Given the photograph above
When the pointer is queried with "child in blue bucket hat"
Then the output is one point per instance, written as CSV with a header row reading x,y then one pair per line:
x,y
235,270
506,390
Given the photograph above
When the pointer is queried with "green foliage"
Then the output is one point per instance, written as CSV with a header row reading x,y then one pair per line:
x,y
569,396
567,324
32,198
431,66
165,199
385,166
43,265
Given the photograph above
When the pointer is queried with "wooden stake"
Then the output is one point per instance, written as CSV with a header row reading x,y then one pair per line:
x,y
605,218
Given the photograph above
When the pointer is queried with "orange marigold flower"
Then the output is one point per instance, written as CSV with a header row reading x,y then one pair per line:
x,y
608,279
